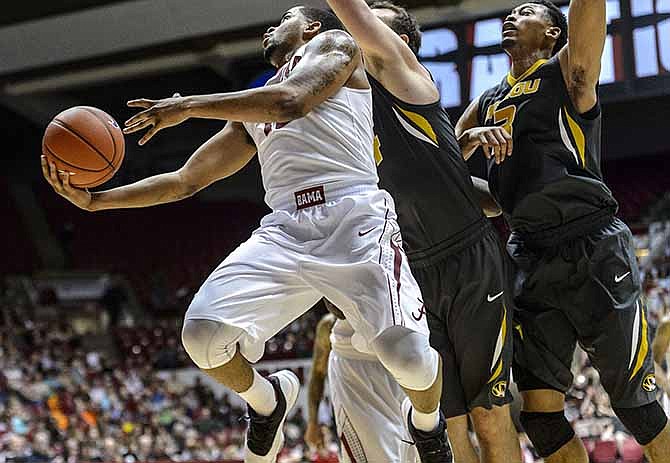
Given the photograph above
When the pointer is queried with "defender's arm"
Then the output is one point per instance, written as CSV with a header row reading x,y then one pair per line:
x,y
483,194
387,56
495,141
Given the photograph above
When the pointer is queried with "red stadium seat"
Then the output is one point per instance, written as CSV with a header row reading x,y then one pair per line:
x,y
631,452
604,452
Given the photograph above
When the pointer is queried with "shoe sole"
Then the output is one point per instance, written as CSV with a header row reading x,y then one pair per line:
x,y
290,386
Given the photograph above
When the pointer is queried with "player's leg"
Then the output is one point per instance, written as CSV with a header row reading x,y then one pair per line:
x,y
496,434
478,326
459,436
376,291
250,297
616,335
367,400
544,344
452,402
543,418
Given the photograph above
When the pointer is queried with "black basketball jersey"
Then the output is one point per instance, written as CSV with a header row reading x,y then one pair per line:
x,y
553,178
420,164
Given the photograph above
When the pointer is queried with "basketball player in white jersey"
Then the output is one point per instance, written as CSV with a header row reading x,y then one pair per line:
x,y
367,401
332,233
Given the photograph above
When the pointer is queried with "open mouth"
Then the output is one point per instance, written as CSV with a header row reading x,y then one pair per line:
x,y
508,27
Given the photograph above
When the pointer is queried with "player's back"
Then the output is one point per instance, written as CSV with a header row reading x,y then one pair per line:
x,y
552,186
331,147
420,164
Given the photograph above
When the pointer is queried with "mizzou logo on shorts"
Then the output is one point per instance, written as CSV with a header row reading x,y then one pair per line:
x,y
649,382
499,389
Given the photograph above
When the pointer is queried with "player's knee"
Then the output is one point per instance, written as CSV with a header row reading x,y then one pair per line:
x,y
491,425
548,432
209,343
407,355
645,422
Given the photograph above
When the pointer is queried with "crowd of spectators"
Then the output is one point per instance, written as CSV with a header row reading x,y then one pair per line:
x,y
64,402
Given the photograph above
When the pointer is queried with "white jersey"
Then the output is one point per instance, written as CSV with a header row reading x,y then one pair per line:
x,y
332,146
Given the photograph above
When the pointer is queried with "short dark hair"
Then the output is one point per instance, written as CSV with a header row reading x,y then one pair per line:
x,y
403,23
327,18
559,20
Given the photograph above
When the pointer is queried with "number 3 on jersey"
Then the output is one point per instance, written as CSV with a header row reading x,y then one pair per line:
x,y
503,117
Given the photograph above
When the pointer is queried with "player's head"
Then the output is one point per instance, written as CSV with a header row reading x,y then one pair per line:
x,y
535,25
402,23
296,27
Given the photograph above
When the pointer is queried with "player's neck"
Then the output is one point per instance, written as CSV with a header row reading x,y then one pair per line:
x,y
521,62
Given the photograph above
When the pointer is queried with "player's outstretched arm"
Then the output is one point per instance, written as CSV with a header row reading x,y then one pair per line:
x,y
328,63
496,142
221,156
387,56
317,380
580,58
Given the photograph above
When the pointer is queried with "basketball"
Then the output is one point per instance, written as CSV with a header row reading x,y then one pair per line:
x,y
86,141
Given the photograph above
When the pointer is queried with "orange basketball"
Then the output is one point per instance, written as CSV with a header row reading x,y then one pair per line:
x,y
86,141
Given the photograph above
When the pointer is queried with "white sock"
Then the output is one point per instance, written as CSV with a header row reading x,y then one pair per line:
x,y
261,395
426,422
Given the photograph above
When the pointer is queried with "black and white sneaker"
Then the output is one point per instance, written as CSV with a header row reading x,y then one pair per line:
x,y
265,435
432,447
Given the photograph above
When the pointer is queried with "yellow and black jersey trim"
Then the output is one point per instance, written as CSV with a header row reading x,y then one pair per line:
x,y
416,125
640,341
572,136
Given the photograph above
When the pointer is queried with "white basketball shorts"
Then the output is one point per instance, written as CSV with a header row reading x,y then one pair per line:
x,y
348,250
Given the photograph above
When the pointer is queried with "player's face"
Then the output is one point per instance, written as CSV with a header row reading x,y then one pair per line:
x,y
279,41
526,27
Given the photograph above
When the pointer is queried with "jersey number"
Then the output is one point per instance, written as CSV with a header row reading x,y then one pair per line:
x,y
503,117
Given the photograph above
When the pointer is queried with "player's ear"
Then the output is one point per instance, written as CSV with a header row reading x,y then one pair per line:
x,y
311,29
553,32
405,38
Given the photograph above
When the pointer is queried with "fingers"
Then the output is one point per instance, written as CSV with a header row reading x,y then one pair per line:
x,y
483,142
505,141
146,115
493,144
138,125
147,136
141,103
45,167
58,179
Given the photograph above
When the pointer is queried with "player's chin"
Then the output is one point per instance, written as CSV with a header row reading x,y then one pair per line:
x,y
508,42
268,52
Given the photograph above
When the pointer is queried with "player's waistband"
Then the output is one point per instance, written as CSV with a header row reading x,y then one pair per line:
x,y
315,195
568,232
453,244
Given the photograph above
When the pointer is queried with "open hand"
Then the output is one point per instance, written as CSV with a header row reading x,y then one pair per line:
x,y
157,115
60,182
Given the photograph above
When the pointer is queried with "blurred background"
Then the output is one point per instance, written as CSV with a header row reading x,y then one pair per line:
x,y
91,304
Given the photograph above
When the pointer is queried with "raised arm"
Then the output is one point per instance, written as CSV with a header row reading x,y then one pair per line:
x,y
580,58
387,56
317,380
221,156
330,61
